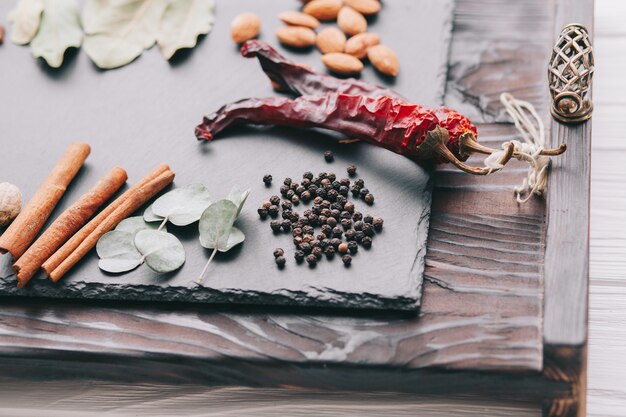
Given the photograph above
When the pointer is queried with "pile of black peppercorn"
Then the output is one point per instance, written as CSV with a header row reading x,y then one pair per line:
x,y
331,226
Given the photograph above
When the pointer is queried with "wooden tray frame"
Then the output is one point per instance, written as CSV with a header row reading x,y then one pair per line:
x,y
558,380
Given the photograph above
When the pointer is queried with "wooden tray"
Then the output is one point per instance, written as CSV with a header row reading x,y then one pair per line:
x,y
504,312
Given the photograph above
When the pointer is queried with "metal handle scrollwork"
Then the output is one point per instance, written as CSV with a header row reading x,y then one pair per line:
x,y
570,75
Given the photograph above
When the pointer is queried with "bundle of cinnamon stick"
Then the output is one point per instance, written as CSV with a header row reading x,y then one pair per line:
x,y
70,237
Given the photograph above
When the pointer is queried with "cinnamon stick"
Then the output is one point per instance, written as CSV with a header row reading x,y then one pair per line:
x,y
128,206
67,224
70,246
29,222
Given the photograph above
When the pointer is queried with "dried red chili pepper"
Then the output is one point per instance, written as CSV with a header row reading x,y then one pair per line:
x,y
357,109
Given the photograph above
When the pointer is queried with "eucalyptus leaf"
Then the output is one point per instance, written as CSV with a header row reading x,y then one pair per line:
x,y
135,224
162,251
149,216
182,22
235,237
59,30
216,225
183,206
25,18
118,31
238,197
117,252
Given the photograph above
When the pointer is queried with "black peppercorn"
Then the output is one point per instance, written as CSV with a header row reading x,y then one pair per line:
x,y
320,192
273,211
322,219
345,182
346,224
335,242
267,179
342,200
297,241
305,247
318,200
275,200
313,219
353,247
312,188
355,191
343,190
328,156
306,238
368,219
325,182
368,230
324,243
367,242
293,186
280,261
311,260
350,234
317,252
305,196
286,225
330,252
346,259
378,224
286,214
351,170
296,232
295,200
279,252
336,184
336,206
307,213
308,230
300,190
325,205
303,221
290,194
358,236
331,221
337,231
331,176
317,209
335,213
326,229
266,204
369,198
363,192
308,175
320,237
283,190
357,216
359,183
275,225
287,181
262,213
315,243
343,248
326,212
305,183
286,205
299,255
345,215
358,225
321,175
294,217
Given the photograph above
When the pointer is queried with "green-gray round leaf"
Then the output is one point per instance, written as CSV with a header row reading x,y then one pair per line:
x,y
135,224
117,252
162,251
216,224
183,206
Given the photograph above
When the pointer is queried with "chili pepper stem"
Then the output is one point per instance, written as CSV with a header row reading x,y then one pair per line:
x,y
436,140
468,144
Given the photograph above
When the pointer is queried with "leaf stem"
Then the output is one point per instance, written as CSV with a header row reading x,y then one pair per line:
x,y
162,225
206,267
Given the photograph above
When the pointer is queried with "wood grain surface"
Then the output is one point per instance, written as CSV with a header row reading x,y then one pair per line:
x,y
607,395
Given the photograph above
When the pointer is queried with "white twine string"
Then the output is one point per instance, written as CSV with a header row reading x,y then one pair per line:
x,y
531,127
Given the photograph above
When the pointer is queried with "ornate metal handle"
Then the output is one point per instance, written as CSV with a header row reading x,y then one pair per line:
x,y
570,75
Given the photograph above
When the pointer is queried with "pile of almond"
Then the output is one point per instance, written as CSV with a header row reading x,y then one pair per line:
x,y
344,47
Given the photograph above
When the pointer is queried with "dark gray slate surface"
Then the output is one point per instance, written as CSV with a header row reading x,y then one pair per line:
x,y
144,114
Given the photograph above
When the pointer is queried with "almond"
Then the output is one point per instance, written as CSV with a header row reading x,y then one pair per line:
x,y
323,9
330,40
351,21
342,63
384,60
366,7
246,26
296,36
299,19
358,44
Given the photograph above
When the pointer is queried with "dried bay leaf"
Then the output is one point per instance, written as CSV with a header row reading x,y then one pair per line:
x,y
59,30
25,18
118,31
181,24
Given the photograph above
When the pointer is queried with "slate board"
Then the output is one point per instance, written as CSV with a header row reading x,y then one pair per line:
x,y
144,114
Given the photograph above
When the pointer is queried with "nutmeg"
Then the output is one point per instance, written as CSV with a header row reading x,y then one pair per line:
x,y
10,203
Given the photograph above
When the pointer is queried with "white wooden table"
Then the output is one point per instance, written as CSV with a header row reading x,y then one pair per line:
x,y
607,341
